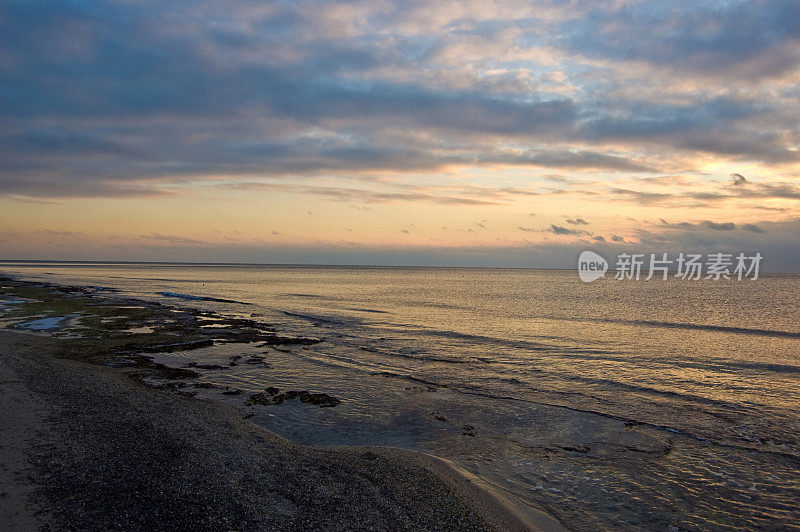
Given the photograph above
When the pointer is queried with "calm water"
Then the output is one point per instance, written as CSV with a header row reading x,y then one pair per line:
x,y
611,404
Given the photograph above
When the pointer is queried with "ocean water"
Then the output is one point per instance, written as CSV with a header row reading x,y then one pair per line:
x,y
615,404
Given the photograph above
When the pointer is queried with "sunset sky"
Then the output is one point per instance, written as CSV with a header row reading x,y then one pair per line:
x,y
444,133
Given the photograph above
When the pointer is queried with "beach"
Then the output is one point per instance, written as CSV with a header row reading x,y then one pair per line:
x,y
88,446
334,265
626,411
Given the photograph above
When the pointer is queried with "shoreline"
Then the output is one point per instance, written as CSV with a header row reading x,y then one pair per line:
x,y
363,473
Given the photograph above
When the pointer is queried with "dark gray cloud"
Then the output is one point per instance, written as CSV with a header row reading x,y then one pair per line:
x,y
561,230
693,198
703,37
723,126
738,179
776,241
712,226
767,190
642,197
107,98
171,239
752,228
723,226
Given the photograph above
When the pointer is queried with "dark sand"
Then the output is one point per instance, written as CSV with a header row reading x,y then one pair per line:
x,y
85,447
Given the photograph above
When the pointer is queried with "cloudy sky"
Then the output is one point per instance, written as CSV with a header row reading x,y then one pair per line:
x,y
467,133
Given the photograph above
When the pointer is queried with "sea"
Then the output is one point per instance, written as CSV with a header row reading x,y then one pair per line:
x,y
618,405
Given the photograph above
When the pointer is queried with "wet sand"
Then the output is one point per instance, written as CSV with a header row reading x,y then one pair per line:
x,y
86,447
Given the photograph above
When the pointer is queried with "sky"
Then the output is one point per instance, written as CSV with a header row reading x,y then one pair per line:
x,y
474,133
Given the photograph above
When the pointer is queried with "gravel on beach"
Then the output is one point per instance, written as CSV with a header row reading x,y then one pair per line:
x,y
85,447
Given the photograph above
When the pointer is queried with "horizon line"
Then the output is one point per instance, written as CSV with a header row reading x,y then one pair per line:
x,y
311,265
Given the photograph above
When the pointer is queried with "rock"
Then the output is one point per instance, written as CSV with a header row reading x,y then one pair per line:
x,y
165,372
272,397
262,399
181,346
320,399
286,340
209,366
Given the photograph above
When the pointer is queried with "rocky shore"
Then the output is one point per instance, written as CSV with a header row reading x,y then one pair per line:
x,y
89,442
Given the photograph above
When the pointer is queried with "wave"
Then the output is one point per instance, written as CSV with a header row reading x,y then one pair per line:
x,y
421,357
695,327
649,361
158,279
793,453
392,375
200,298
641,388
328,320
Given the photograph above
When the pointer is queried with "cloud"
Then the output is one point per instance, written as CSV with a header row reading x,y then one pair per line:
x,y
577,221
51,232
373,104
406,194
667,180
724,226
752,228
770,191
171,239
772,239
706,38
560,230
642,197
688,197
713,226
777,244
123,99
738,179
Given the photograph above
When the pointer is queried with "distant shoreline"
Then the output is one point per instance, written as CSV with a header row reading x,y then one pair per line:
x,y
65,263
39,262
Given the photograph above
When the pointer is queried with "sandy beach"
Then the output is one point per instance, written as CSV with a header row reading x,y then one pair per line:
x,y
86,446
